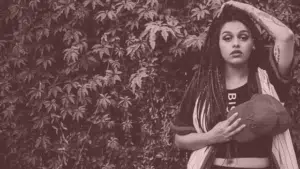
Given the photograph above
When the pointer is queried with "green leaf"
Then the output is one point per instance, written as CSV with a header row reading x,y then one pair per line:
x,y
99,80
68,87
15,10
152,3
128,5
26,75
147,14
33,4
177,51
39,122
127,125
113,143
111,15
45,61
2,44
71,54
297,39
93,2
119,51
125,102
104,101
132,24
72,36
70,6
153,27
101,50
164,34
109,166
66,99
9,112
200,12
136,78
132,49
194,41
35,93
297,76
43,141
100,16
51,105
152,37
82,91
115,64
78,113
64,111
4,66
53,90
19,61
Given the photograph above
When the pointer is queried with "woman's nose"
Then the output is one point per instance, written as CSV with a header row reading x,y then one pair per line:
x,y
236,42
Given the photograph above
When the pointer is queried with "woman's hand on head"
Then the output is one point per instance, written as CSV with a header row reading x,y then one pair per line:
x,y
225,130
228,3
222,7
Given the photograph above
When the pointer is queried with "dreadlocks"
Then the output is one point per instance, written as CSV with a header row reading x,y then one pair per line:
x,y
208,82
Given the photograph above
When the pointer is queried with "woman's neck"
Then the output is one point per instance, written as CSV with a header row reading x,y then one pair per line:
x,y
236,76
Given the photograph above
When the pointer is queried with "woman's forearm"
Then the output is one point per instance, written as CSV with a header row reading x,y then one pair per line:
x,y
275,27
194,141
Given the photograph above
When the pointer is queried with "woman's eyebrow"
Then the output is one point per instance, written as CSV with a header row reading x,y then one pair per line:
x,y
226,32
242,31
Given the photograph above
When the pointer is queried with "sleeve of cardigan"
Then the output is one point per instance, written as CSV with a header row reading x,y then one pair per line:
x,y
182,128
183,122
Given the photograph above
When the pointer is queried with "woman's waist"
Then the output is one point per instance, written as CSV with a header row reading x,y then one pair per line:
x,y
245,162
261,147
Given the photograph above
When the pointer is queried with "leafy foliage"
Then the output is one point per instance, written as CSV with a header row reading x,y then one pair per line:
x,y
95,83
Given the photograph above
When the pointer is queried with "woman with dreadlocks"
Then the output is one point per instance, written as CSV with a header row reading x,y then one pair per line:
x,y
234,66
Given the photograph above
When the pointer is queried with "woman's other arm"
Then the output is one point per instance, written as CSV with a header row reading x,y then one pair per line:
x,y
283,35
193,141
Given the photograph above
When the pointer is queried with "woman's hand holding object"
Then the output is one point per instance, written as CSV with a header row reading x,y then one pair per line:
x,y
225,130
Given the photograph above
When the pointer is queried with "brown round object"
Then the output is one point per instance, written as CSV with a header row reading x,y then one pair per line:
x,y
262,115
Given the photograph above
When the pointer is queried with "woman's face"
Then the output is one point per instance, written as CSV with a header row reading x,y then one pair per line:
x,y
235,43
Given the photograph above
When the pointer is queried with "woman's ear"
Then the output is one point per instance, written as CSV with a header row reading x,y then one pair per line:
x,y
253,47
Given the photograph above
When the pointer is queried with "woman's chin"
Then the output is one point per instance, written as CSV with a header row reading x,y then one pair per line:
x,y
237,62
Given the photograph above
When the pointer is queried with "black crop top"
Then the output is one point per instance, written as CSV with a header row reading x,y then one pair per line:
x,y
260,147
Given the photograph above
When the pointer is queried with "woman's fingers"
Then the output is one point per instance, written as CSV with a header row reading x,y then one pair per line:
x,y
220,10
230,2
237,130
234,125
231,118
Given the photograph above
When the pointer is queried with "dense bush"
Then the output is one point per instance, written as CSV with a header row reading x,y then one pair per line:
x,y
95,83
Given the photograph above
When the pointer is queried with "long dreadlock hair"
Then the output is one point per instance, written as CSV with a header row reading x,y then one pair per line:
x,y
208,82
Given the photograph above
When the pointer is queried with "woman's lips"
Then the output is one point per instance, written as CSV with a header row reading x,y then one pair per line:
x,y
236,53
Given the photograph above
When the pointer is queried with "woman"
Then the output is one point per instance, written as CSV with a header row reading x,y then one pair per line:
x,y
229,60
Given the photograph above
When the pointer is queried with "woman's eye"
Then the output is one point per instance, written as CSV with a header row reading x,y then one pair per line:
x,y
227,38
244,37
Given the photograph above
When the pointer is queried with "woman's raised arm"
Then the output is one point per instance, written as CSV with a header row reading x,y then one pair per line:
x,y
283,35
